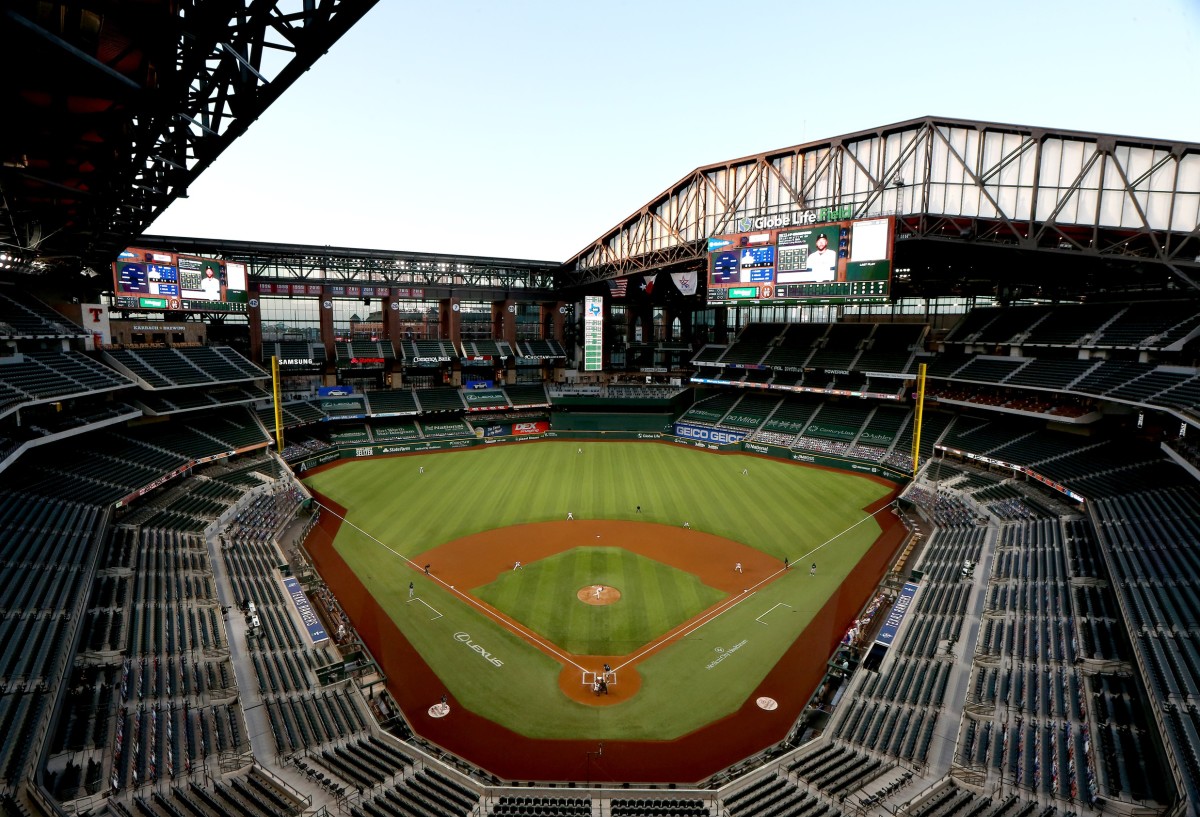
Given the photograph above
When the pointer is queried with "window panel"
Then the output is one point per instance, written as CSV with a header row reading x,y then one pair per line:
x,y
969,150
1006,197
1086,203
1187,212
1136,161
1048,199
1189,172
1111,204
1162,178
970,201
1023,202
937,198
1158,210
290,318
1052,164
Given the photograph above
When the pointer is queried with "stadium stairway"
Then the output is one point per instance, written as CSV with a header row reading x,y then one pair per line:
x,y
347,761
862,772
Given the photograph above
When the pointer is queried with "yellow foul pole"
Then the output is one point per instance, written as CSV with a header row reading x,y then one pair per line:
x,y
278,407
918,419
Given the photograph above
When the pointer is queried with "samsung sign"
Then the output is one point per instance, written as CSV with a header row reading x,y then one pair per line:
x,y
708,435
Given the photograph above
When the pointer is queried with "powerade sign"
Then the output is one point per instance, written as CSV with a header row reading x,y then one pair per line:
x,y
887,633
705,434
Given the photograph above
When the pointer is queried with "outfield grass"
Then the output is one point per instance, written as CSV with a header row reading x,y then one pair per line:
x,y
780,508
654,599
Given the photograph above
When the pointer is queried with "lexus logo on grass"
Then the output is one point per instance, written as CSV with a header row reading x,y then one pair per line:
x,y
487,656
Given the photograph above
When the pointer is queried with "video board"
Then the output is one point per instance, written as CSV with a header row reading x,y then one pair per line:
x,y
158,279
835,262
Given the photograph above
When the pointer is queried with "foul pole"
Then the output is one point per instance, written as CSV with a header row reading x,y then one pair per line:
x,y
918,419
278,407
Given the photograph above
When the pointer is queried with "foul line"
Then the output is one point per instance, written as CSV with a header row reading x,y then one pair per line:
x,y
725,607
529,636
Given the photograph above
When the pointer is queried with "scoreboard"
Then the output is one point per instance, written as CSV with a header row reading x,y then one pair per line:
x,y
593,333
837,262
157,279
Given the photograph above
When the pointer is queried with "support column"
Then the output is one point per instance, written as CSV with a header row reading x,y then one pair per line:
x,y
553,317
391,320
721,324
326,315
393,334
504,320
254,317
329,373
450,320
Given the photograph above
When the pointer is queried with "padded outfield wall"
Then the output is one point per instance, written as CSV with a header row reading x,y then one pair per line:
x,y
691,435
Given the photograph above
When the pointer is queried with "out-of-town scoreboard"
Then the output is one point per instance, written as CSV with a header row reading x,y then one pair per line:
x,y
593,333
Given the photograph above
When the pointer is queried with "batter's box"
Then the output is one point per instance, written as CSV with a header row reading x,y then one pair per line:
x,y
590,679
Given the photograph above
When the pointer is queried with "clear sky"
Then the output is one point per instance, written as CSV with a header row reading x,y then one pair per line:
x,y
526,129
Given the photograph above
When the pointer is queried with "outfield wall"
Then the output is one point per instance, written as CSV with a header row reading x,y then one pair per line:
x,y
688,437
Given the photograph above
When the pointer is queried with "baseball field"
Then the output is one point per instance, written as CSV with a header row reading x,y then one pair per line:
x,y
664,562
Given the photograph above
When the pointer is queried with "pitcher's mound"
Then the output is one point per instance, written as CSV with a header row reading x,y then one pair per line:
x,y
598,594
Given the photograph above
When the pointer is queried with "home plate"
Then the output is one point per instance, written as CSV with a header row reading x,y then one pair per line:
x,y
767,703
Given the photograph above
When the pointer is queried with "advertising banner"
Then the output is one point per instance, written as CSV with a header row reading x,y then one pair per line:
x,y
887,633
721,436
316,630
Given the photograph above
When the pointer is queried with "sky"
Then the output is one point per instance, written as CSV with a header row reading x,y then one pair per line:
x,y
527,129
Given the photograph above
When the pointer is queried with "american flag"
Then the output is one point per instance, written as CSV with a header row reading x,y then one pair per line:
x,y
617,287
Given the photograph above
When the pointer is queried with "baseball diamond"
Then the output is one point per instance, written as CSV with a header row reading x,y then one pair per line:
x,y
679,598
